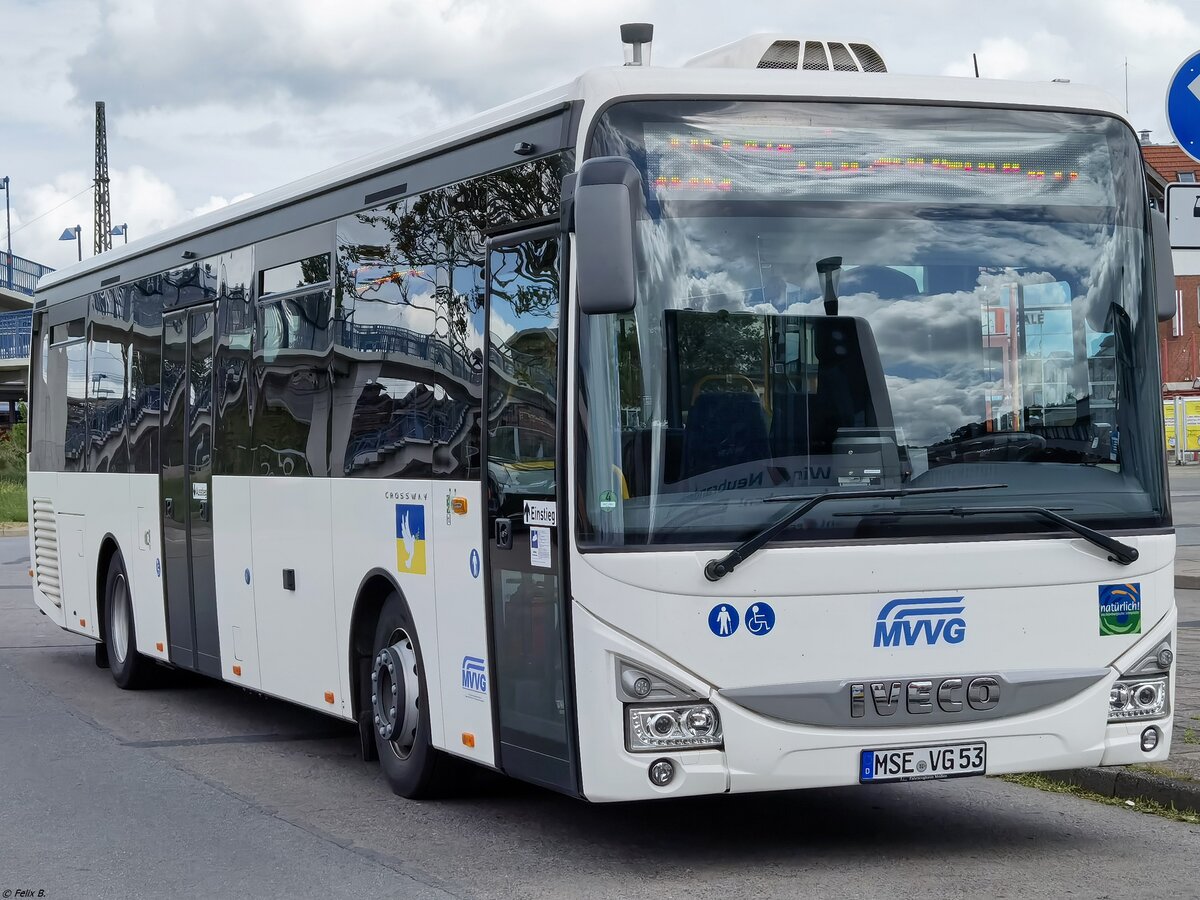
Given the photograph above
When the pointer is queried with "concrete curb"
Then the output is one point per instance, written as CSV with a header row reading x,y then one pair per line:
x,y
14,530
1131,784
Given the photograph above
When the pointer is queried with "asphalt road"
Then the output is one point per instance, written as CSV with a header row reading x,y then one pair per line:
x,y
200,789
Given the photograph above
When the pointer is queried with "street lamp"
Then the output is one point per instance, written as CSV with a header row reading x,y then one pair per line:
x,y
8,226
121,229
73,234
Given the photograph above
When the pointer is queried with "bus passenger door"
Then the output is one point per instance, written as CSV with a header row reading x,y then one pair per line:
x,y
527,614
186,453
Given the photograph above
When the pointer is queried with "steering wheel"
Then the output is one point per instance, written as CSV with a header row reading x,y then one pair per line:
x,y
729,378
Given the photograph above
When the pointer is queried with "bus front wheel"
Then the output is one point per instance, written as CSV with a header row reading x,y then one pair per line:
x,y
130,670
399,712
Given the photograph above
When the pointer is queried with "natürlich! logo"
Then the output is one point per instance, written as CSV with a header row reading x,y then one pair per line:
x,y
1120,609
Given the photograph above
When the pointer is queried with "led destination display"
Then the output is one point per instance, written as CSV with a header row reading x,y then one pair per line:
x,y
840,163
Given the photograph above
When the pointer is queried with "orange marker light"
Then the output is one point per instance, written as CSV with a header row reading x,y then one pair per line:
x,y
329,696
31,573
459,506
83,623
237,670
468,739
158,645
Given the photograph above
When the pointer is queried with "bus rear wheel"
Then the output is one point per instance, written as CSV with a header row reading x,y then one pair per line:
x,y
399,712
130,670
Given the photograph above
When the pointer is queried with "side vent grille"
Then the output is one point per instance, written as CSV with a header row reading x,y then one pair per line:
x,y
814,57
820,56
45,550
781,55
868,58
842,60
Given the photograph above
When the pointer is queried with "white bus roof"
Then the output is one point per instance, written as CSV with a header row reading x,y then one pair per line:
x,y
601,86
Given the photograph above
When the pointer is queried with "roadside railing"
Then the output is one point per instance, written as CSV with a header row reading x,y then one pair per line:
x,y
19,274
15,331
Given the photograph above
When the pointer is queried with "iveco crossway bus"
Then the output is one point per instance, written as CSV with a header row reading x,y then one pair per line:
x,y
769,422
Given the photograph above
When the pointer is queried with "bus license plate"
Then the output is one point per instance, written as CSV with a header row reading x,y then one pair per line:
x,y
922,763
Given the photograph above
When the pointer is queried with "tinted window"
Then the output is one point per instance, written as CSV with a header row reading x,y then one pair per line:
x,y
70,361
409,338
408,318
293,276
108,367
291,366
146,299
235,339
42,445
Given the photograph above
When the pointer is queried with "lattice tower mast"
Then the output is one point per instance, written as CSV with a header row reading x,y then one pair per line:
x,y
103,223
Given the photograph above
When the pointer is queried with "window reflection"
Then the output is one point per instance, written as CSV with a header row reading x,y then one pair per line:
x,y
878,320
108,365
409,323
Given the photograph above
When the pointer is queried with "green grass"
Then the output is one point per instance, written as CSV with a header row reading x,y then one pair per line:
x,y
1143,806
13,506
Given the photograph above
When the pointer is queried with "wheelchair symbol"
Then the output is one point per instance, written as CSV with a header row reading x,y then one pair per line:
x,y
760,619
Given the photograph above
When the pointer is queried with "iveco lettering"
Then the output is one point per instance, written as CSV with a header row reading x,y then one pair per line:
x,y
769,421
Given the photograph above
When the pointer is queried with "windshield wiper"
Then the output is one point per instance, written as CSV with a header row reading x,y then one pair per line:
x,y
717,569
1119,552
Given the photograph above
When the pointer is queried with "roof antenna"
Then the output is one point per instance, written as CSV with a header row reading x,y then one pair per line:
x,y
637,37
975,59
1127,86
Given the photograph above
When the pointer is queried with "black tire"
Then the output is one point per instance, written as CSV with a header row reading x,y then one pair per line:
x,y
414,768
130,670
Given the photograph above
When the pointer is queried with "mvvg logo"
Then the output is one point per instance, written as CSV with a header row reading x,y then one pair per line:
x,y
474,675
922,618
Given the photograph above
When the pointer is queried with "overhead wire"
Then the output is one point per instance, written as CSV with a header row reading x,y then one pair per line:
x,y
23,225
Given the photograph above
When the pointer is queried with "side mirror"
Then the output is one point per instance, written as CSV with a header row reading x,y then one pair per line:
x,y
1164,267
608,196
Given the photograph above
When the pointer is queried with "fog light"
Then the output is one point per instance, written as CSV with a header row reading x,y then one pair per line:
x,y
1165,658
1150,739
663,770
641,686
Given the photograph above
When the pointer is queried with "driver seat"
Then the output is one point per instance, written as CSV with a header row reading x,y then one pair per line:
x,y
722,430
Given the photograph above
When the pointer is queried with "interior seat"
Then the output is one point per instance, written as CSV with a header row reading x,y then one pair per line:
x,y
722,430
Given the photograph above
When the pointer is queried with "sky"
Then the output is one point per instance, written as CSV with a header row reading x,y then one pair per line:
x,y
213,101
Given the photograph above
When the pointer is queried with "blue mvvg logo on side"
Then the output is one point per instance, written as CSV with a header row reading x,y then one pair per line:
x,y
930,619
474,675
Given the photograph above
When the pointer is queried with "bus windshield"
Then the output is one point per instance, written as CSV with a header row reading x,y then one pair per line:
x,y
839,297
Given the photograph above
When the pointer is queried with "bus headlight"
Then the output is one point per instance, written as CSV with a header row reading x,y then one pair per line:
x,y
1137,698
656,728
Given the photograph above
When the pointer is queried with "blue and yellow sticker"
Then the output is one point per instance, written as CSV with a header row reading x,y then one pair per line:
x,y
1120,609
410,538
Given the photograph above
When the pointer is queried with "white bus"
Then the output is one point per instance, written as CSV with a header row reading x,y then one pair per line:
x,y
765,423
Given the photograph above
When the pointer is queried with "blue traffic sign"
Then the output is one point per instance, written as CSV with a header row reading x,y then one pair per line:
x,y
1183,106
